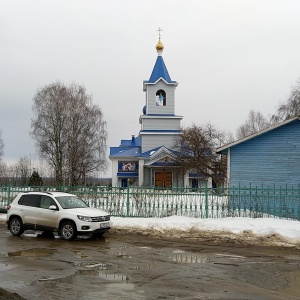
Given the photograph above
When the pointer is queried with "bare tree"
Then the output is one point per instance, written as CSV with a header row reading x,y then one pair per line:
x,y
69,130
197,151
3,173
23,169
86,136
1,145
289,109
255,123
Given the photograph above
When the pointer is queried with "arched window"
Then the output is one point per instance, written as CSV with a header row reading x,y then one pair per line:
x,y
161,98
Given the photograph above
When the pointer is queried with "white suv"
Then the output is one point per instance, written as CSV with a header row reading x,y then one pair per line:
x,y
56,212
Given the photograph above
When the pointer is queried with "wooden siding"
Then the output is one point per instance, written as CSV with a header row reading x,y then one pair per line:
x,y
270,159
160,124
151,99
152,141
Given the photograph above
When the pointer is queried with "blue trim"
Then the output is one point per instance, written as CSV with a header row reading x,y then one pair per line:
x,y
196,175
159,115
164,164
128,174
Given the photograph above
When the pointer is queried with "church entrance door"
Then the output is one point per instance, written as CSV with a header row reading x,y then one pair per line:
x,y
163,179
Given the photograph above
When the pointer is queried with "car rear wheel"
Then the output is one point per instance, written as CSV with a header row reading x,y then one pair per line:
x,y
68,231
16,226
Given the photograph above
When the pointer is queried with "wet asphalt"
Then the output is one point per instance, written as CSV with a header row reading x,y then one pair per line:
x,y
124,265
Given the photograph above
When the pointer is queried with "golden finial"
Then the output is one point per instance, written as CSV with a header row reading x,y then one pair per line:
x,y
159,46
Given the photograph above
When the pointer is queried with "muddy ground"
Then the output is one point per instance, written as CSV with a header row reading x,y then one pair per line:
x,y
130,264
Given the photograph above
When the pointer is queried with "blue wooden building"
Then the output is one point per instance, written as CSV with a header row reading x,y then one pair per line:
x,y
270,157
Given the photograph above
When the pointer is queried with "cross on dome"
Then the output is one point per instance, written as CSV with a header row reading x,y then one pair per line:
x,y
159,46
159,30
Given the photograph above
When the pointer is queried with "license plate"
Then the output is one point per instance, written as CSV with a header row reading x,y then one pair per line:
x,y
104,225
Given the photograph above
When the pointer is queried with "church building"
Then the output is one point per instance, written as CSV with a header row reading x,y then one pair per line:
x,y
149,158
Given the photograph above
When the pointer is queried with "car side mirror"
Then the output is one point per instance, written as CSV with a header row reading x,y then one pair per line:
x,y
52,207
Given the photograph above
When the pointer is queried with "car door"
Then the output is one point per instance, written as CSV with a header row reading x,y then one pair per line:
x,y
47,218
29,206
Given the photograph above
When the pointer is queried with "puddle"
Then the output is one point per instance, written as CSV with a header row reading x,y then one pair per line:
x,y
292,257
121,290
79,253
99,266
178,251
4,267
120,254
116,286
294,284
91,266
114,277
235,257
190,258
13,285
153,266
145,248
38,252
30,234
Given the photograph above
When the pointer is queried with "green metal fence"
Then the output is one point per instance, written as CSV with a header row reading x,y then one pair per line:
x,y
197,203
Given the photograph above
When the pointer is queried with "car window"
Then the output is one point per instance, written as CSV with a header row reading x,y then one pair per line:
x,y
46,202
70,202
30,200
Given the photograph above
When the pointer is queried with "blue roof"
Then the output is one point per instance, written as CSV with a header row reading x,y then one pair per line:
x,y
149,152
160,71
224,149
125,151
136,151
135,141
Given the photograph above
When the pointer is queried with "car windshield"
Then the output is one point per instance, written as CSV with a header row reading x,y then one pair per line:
x,y
70,202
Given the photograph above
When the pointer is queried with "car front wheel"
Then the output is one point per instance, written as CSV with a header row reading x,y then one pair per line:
x,y
68,231
16,226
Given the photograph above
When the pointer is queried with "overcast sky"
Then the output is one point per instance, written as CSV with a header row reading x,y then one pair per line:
x,y
229,56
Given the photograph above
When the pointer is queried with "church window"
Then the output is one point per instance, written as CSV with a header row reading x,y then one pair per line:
x,y
161,98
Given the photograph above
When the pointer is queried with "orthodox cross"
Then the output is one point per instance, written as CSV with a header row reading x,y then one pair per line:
x,y
159,30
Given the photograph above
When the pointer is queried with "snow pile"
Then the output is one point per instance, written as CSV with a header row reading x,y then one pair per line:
x,y
285,228
261,227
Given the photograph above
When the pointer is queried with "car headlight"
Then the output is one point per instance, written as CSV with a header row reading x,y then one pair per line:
x,y
84,218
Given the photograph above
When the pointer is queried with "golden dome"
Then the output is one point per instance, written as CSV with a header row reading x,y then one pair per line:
x,y
159,46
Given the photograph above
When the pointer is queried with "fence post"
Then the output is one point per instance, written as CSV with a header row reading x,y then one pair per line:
x,y
206,200
8,195
127,204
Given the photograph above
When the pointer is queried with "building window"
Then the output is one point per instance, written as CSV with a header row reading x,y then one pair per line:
x,y
161,98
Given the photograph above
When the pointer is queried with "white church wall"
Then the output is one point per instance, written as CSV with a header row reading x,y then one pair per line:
x,y
161,123
114,180
152,108
151,141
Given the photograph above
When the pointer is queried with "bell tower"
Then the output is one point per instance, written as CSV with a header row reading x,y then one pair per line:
x,y
159,124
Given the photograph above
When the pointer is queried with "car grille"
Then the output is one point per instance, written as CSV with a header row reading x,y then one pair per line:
x,y
101,219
